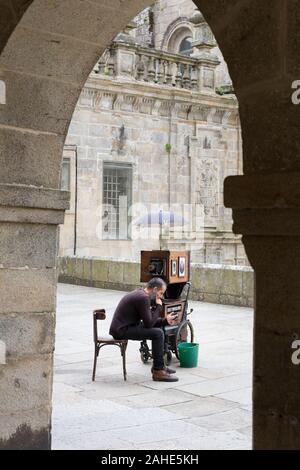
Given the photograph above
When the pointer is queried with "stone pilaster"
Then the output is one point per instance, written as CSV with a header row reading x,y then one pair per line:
x,y
29,219
266,211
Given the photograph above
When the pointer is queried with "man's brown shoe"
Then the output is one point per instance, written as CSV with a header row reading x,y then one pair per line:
x,y
170,371
163,376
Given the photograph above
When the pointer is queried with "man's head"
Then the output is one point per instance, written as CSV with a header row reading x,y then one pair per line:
x,y
157,287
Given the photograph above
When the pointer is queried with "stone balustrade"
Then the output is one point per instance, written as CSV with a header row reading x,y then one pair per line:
x,y
133,62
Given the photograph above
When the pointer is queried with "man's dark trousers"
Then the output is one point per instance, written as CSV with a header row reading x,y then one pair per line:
x,y
140,333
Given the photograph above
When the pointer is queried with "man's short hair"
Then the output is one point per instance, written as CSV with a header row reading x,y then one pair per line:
x,y
156,282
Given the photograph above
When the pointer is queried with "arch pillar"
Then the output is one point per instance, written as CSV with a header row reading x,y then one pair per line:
x,y
47,51
29,219
266,210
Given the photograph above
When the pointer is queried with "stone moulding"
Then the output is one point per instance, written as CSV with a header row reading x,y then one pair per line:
x,y
265,204
34,197
180,106
29,204
263,191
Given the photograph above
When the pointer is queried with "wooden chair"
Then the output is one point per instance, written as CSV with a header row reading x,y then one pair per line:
x,y
106,340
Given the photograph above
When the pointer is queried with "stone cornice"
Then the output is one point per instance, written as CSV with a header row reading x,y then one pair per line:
x,y
158,91
34,197
103,95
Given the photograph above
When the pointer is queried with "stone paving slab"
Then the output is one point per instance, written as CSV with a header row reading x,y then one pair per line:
x,y
215,387
204,441
185,380
201,407
77,408
230,420
148,433
209,408
90,441
210,374
106,417
112,390
242,397
156,398
246,431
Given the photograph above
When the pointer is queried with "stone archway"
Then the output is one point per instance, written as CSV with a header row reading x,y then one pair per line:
x,y
50,49
176,32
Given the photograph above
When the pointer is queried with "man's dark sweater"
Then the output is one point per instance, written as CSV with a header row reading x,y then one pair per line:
x,y
133,308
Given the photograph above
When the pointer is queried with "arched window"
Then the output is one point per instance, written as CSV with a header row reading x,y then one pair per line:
x,y
186,47
178,37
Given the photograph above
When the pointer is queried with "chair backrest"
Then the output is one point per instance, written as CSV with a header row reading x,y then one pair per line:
x,y
97,315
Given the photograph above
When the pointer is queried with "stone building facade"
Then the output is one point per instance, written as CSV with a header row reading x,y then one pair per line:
x,y
158,104
47,50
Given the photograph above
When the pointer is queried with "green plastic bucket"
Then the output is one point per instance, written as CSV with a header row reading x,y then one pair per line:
x,y
188,354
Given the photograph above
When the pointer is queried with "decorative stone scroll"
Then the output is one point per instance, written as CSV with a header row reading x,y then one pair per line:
x,y
208,170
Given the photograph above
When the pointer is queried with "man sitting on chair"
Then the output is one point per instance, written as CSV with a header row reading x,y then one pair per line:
x,y
135,320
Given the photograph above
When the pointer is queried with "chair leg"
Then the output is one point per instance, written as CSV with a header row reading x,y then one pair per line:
x,y
95,362
123,352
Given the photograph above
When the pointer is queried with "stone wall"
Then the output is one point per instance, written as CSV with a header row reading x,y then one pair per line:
x,y
135,110
205,148
228,285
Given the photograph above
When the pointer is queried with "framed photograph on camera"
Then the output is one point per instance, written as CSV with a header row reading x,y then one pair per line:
x,y
181,266
174,267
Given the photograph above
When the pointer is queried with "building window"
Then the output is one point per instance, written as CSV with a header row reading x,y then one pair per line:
x,y
117,199
65,183
186,47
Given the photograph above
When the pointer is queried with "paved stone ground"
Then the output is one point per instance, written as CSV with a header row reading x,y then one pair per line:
x,y
209,408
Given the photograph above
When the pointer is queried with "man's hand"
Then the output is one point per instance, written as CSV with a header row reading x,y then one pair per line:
x,y
172,321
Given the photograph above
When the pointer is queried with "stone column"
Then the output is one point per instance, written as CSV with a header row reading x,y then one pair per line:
x,y
29,219
266,210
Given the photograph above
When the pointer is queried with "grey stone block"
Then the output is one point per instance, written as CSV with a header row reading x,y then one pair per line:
x,y
27,334
26,384
77,24
23,156
231,420
32,245
115,271
50,115
27,290
18,54
27,430
131,273
100,270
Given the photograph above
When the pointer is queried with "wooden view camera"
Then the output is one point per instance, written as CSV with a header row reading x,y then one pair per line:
x,y
174,268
